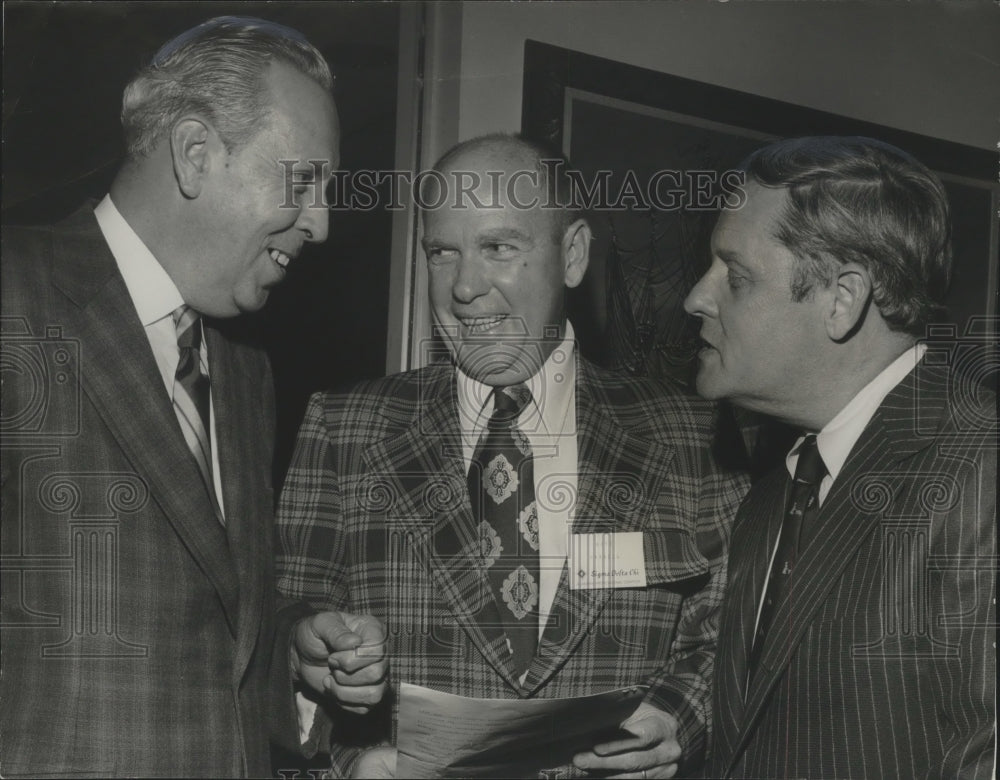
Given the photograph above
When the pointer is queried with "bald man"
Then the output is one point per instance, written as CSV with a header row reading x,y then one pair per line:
x,y
492,465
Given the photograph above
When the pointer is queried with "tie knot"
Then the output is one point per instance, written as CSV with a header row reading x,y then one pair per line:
x,y
186,323
508,402
810,469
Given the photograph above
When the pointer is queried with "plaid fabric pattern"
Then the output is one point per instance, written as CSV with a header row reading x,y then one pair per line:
x,y
885,666
375,517
137,629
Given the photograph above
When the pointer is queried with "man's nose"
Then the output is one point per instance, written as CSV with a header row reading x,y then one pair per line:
x,y
700,301
314,221
470,281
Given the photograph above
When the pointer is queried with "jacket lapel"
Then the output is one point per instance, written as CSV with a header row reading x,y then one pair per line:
x,y
129,395
244,498
619,480
424,472
851,512
753,539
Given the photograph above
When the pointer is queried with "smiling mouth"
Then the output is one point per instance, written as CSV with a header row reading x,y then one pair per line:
x,y
477,325
280,258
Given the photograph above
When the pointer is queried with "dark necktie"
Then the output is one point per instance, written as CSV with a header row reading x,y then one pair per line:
x,y
803,504
191,397
502,490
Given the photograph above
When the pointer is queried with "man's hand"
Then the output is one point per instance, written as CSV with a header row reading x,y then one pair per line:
x,y
652,752
343,656
376,763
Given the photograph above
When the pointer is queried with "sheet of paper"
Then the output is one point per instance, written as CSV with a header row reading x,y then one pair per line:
x,y
443,735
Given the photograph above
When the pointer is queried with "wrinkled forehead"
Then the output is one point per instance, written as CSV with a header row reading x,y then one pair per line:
x,y
489,189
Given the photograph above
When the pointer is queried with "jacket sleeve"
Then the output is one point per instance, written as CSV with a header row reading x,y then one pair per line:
x,y
682,686
962,613
312,559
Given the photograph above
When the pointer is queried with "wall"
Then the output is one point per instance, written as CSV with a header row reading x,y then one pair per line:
x,y
928,68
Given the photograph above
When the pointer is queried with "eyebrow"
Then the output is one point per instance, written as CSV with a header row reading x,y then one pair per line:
x,y
306,174
493,235
729,257
303,174
504,234
432,243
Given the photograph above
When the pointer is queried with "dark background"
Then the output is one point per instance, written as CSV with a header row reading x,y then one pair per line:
x,y
64,68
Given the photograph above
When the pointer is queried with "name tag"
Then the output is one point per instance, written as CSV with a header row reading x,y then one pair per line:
x,y
606,560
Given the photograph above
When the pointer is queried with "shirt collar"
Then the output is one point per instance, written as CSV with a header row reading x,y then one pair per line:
x,y
554,383
839,436
153,292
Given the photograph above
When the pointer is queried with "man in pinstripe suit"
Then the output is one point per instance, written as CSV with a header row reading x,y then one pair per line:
x,y
878,658
376,516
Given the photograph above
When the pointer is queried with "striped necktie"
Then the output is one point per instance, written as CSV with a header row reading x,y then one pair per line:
x,y
502,489
191,397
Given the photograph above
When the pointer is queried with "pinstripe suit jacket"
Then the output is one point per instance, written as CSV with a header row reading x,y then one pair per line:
x,y
884,665
375,517
136,630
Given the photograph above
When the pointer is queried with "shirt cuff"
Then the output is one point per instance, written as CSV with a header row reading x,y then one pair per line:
x,y
305,709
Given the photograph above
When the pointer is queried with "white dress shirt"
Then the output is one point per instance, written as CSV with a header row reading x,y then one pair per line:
x,y
839,436
155,297
549,422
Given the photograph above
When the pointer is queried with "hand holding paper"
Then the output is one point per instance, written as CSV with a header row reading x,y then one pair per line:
x,y
444,735
653,751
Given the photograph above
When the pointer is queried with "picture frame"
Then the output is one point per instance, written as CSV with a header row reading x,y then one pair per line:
x,y
607,115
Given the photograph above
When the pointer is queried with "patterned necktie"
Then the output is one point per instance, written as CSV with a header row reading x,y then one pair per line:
x,y
502,490
191,397
803,504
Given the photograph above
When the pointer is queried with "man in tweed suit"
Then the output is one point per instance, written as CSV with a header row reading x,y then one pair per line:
x,y
376,516
141,635
878,659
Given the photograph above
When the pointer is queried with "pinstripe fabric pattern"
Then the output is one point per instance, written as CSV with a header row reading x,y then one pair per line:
x,y
137,630
887,665
191,397
375,517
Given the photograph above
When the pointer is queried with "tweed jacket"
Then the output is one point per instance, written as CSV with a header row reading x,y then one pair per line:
x,y
883,662
137,629
375,517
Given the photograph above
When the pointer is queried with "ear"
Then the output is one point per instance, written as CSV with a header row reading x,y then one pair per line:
x,y
189,150
576,252
852,290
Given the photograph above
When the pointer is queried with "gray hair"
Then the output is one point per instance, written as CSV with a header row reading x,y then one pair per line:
x,y
855,199
217,70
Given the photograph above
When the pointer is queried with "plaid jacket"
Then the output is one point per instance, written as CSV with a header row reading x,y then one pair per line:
x,y
137,631
375,518
886,664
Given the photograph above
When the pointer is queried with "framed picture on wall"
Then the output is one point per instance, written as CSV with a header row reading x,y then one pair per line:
x,y
654,150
